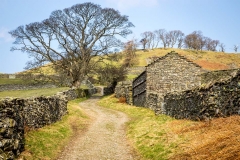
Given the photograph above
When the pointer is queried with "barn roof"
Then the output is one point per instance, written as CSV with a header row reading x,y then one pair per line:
x,y
173,53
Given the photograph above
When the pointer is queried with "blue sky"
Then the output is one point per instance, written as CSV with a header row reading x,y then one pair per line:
x,y
217,19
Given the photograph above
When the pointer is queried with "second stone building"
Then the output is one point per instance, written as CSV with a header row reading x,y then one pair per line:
x,y
169,73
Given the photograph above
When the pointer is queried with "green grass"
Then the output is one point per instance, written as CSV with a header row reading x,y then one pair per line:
x,y
13,81
147,132
131,76
47,142
31,93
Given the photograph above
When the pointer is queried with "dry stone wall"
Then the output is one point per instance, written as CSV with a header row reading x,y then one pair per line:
x,y
41,111
11,128
217,100
10,87
5,76
17,114
32,113
211,77
124,89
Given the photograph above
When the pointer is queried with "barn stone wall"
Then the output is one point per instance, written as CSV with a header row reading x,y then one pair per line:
x,y
172,72
166,74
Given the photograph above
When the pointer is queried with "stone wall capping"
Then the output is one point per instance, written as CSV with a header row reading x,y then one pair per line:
x,y
220,99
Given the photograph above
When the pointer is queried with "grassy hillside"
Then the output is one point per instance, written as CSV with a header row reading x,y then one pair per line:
x,y
207,59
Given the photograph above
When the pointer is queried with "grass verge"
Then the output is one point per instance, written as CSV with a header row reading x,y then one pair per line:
x,y
162,137
46,143
32,92
145,130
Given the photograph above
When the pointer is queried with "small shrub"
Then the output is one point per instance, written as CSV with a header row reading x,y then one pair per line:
x,y
122,100
26,129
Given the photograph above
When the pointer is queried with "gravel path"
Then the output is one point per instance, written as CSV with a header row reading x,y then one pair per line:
x,y
105,138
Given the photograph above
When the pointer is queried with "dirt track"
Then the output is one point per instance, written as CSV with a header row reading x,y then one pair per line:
x,y
105,138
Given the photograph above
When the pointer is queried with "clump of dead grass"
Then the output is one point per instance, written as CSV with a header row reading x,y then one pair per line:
x,y
122,100
215,139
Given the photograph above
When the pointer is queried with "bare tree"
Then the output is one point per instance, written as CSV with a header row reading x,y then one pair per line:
x,y
180,40
152,40
202,42
149,38
70,38
222,47
193,40
130,48
215,43
175,36
145,36
162,36
235,48
168,39
196,41
144,43
211,45
129,52
208,44
157,38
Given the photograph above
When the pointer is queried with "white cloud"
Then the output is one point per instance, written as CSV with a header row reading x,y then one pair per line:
x,y
126,4
5,36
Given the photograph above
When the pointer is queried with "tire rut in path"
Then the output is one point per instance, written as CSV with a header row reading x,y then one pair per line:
x,y
105,138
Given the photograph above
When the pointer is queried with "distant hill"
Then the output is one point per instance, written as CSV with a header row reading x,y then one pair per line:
x,y
208,60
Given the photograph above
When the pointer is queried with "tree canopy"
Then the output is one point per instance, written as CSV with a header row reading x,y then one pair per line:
x,y
71,37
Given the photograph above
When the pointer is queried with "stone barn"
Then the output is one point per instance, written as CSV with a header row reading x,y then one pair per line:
x,y
166,74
